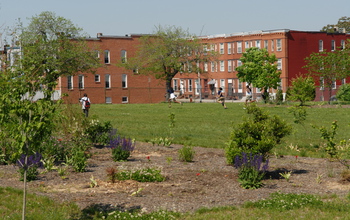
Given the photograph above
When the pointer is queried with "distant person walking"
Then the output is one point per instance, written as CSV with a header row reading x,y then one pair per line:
x,y
221,98
85,104
172,97
248,96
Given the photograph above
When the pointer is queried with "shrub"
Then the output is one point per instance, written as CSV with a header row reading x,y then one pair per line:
x,y
186,154
302,90
343,93
142,175
31,166
121,148
77,158
250,173
98,132
258,134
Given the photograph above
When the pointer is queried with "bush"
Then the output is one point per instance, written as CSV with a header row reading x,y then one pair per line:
x,y
186,154
302,90
250,173
343,93
98,132
258,134
121,148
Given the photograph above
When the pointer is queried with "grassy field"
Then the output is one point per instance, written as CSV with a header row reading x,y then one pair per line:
x,y
209,124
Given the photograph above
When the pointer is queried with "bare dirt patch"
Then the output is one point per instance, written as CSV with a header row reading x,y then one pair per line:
x,y
206,182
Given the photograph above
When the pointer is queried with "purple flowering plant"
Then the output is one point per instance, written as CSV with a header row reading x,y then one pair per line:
x,y
121,147
33,163
251,170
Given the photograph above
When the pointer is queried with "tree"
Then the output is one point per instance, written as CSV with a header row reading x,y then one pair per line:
x,y
343,23
302,89
328,67
48,51
343,93
53,46
260,69
167,52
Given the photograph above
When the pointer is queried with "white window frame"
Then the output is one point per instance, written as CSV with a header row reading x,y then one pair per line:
x,y
205,66
124,81
70,82
320,45
222,65
258,44
333,45
125,99
266,44
81,81
123,55
279,64
107,81
272,45
239,47
107,58
229,48
190,85
246,45
229,65
222,48
279,44
97,78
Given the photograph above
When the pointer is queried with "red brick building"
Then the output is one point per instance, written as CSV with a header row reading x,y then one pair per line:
x,y
113,84
290,47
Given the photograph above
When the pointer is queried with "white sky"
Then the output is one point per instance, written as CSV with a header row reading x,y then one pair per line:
x,y
200,17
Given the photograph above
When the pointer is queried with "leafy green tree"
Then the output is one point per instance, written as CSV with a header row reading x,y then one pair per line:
x,y
53,46
328,67
48,51
302,89
260,69
343,23
167,52
343,93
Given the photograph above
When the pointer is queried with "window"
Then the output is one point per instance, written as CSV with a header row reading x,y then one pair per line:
x,y
124,81
343,81
221,48
176,86
222,66
272,45
279,45
240,86
190,85
107,58
229,65
70,82
81,81
266,44
97,78
205,49
222,84
125,99
97,53
246,45
334,84
257,44
320,45
108,81
239,47
239,63
333,45
205,66
213,66
229,48
108,100
279,64
197,87
342,44
123,56
321,83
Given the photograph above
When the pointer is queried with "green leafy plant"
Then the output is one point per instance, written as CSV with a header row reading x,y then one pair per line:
x,y
98,132
329,136
286,175
93,182
62,172
142,175
77,158
29,165
251,170
258,134
186,154
299,113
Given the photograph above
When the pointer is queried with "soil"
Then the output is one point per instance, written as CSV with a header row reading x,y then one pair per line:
x,y
206,182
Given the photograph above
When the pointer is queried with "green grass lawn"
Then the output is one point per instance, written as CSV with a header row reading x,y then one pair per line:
x,y
209,124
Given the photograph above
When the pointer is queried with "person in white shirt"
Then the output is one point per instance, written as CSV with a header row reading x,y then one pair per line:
x,y
85,104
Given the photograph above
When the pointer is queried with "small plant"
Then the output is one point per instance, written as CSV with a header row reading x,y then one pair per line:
x,y
30,165
111,174
142,175
329,136
286,175
319,178
186,154
121,148
169,160
49,163
137,193
93,182
250,170
166,141
77,159
62,172
345,175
